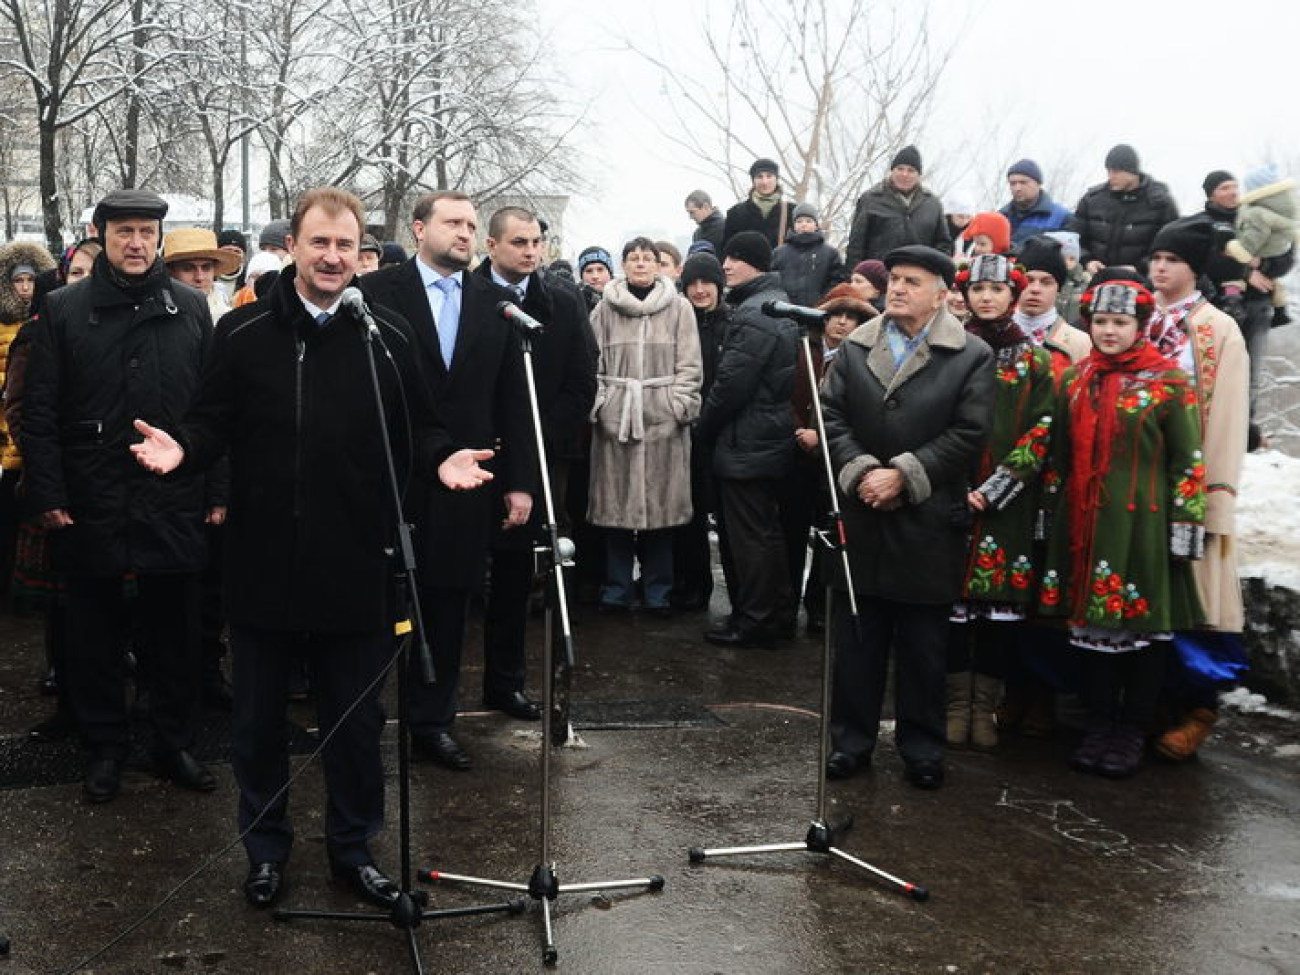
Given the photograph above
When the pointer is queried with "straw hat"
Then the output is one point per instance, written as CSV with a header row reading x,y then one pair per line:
x,y
198,244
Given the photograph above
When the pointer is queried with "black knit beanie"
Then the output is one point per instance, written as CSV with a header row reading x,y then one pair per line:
x,y
907,156
1041,253
702,267
1189,238
751,247
1214,180
1123,158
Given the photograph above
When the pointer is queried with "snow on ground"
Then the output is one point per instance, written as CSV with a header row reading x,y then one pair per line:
x,y
1248,702
1268,519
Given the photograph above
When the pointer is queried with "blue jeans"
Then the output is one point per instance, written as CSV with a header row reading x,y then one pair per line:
x,y
621,550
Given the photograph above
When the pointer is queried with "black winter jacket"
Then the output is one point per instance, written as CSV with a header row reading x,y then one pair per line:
x,y
747,415
100,358
310,528
712,228
809,267
928,420
883,220
746,215
1118,228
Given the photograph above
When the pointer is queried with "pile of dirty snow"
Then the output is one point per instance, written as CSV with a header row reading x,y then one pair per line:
x,y
1268,519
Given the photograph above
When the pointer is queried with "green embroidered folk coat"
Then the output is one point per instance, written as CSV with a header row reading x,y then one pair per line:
x,y
1153,494
1000,565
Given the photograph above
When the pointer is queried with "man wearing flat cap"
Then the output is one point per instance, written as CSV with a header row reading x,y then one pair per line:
x,y
123,344
764,210
908,408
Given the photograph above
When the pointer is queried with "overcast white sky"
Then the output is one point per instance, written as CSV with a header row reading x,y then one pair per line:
x,y
1192,85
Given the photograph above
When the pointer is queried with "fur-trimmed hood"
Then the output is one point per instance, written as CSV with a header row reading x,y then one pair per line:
x,y
11,255
1277,197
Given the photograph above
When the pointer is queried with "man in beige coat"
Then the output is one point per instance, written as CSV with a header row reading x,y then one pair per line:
x,y
1206,343
648,392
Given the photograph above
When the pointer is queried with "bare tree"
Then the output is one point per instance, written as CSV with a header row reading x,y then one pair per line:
x,y
64,50
440,95
828,88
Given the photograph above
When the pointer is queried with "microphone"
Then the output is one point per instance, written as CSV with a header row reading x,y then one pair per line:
x,y
783,309
355,302
517,316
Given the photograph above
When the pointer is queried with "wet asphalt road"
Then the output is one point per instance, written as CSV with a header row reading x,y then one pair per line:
x,y
1032,868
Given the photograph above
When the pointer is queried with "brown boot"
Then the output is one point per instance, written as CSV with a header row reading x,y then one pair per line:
x,y
985,695
959,709
1181,742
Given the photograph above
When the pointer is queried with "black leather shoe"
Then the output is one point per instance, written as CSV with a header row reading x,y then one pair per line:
x,y
60,727
734,636
443,749
842,765
515,704
103,779
367,882
263,884
925,775
185,770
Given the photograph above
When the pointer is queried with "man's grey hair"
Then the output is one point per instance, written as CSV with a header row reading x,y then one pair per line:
x,y
698,198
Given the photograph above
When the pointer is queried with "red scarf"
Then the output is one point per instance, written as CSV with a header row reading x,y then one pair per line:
x,y
1094,420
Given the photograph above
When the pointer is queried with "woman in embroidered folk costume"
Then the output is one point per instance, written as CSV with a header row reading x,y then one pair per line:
x,y
1000,575
1127,519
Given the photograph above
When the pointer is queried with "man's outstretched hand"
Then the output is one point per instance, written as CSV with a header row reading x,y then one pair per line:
x,y
158,451
460,471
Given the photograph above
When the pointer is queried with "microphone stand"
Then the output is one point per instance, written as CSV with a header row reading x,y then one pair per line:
x,y
543,885
409,910
821,835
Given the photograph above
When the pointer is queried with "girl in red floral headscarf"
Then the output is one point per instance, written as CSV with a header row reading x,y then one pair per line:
x,y
1127,519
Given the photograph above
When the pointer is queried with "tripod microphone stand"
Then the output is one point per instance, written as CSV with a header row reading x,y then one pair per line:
x,y
543,885
409,909
821,836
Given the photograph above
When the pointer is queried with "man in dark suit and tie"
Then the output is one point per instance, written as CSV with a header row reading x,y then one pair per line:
x,y
474,368
564,367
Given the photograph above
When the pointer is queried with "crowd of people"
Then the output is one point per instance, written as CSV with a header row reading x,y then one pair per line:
x,y
1035,420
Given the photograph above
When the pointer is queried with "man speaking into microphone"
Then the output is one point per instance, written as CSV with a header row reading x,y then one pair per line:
x,y
747,416
287,391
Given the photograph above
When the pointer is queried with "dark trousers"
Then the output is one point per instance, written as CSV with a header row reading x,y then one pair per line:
x,y
163,614
341,665
433,706
917,634
982,646
505,622
212,615
760,597
800,500
1124,688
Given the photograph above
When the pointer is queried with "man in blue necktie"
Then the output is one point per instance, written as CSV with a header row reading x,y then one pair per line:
x,y
474,368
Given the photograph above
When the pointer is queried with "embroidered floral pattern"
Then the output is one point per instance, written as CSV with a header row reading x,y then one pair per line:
x,y
1189,490
990,569
1031,449
1111,600
1013,372
1049,593
1022,573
